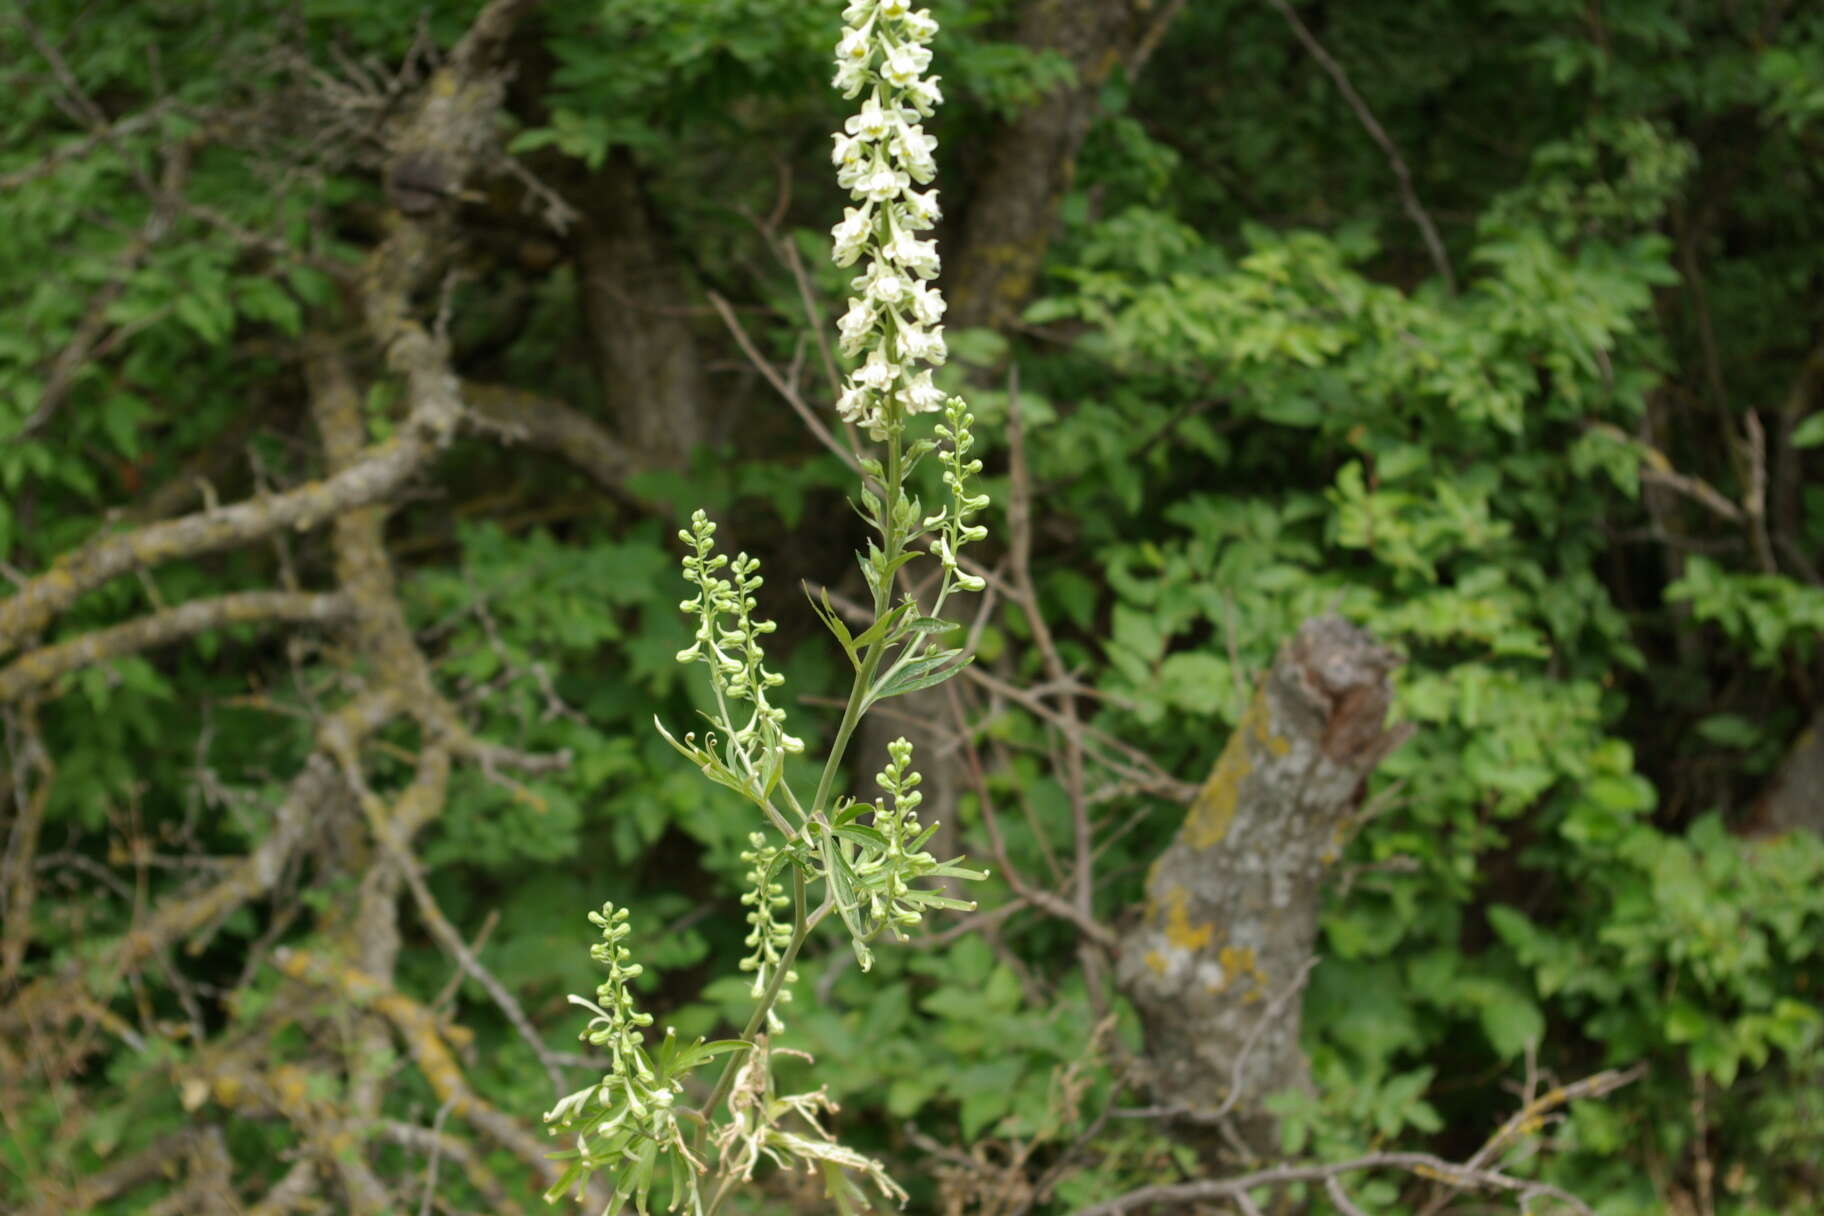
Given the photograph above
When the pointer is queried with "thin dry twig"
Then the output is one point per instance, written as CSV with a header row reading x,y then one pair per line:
x,y
1409,197
798,404
1473,1174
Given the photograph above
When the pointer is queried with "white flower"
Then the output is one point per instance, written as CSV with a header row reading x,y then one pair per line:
x,y
850,78
913,148
919,257
905,64
848,149
927,304
852,403
885,287
880,153
871,122
852,234
924,95
881,184
920,210
877,373
855,325
920,396
924,345
849,176
855,47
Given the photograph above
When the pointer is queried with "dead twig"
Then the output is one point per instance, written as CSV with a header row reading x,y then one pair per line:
x,y
1409,197
765,368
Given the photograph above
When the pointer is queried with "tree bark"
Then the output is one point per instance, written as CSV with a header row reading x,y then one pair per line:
x,y
1032,160
635,300
1796,797
1232,904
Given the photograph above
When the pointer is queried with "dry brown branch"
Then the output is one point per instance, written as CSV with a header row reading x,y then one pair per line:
x,y
1754,501
245,1083
805,413
315,786
1134,765
428,1141
392,830
366,574
35,670
1154,35
150,1164
290,1193
1409,196
18,883
1473,1174
424,1040
1423,1165
383,469
1025,594
815,321
519,416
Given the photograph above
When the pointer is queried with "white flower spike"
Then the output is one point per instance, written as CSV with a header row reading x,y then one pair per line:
x,y
880,152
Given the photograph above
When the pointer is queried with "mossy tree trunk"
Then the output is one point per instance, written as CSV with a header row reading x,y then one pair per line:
x,y
1216,963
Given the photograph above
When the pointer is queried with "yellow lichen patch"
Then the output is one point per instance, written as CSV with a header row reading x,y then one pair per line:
x,y
1178,927
1213,811
1261,722
227,1089
290,1083
1155,962
1238,962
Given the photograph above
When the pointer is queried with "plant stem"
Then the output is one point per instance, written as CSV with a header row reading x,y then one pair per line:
x,y
801,929
883,598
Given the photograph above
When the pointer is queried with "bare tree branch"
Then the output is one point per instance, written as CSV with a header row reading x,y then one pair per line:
x,y
382,471
1409,196
33,671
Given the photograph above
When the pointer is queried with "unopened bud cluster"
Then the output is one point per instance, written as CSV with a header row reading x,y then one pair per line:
x,y
952,524
768,936
734,653
629,1097
880,154
892,897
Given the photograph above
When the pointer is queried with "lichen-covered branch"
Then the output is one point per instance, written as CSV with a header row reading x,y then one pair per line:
x,y
33,671
317,784
424,1040
518,416
1232,904
18,880
381,471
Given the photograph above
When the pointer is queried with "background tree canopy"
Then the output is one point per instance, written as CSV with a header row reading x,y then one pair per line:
x,y
361,361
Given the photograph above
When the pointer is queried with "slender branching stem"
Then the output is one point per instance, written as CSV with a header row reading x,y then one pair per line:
x,y
802,923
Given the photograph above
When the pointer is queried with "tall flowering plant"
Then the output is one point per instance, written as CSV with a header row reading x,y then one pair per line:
x,y
865,862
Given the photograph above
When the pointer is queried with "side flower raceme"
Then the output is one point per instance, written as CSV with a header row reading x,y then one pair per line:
x,y
880,153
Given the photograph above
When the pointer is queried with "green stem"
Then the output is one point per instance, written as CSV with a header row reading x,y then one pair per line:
x,y
801,929
883,599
